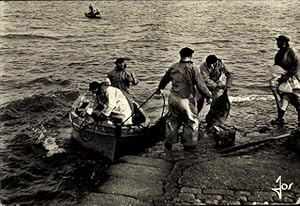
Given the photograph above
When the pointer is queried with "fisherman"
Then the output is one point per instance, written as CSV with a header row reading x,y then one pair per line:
x,y
217,77
97,13
91,9
122,79
185,78
287,59
111,103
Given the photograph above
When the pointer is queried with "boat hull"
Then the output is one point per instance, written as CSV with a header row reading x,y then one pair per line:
x,y
106,139
92,16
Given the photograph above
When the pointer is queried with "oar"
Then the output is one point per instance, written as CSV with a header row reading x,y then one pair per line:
x,y
250,144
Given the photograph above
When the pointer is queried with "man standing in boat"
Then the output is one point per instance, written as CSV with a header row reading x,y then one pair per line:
x,y
185,78
91,9
287,59
112,104
122,79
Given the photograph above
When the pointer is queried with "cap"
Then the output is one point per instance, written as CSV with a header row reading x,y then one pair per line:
x,y
119,60
211,59
185,52
106,81
94,85
283,38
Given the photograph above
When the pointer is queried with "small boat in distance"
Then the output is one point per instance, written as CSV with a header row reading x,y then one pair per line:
x,y
93,16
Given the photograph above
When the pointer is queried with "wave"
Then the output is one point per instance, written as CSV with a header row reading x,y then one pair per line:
x,y
241,98
26,109
41,161
247,98
27,36
45,81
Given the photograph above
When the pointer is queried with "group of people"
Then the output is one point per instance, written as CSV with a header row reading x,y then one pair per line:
x,y
191,86
114,99
186,79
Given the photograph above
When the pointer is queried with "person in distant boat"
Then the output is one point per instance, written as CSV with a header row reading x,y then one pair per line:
x,y
217,76
123,79
91,9
286,90
97,13
185,78
112,104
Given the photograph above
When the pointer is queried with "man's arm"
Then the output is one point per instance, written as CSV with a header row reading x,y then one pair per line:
x,y
205,75
132,78
165,80
111,103
228,73
200,83
291,62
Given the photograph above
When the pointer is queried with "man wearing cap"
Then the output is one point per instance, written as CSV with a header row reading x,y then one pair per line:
x,y
122,79
115,104
185,78
287,59
217,77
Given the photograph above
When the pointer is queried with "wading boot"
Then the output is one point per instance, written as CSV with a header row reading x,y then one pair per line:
x,y
168,146
190,148
279,120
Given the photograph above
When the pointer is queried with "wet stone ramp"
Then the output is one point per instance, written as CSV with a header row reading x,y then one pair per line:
x,y
135,180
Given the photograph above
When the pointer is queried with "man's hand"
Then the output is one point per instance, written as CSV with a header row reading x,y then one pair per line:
x,y
208,100
283,78
221,86
158,91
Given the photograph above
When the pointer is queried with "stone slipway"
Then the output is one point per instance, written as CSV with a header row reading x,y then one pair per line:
x,y
204,177
136,180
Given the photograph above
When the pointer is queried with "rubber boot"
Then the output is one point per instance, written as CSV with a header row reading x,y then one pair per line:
x,y
279,120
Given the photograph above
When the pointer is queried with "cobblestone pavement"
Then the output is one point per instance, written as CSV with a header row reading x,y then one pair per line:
x,y
241,178
207,177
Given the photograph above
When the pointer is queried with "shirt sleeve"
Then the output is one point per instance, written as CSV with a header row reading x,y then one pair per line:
x,y
132,78
205,73
292,62
111,103
200,83
165,79
228,73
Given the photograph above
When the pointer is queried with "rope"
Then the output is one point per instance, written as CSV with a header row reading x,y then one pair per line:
x,y
163,110
139,107
81,129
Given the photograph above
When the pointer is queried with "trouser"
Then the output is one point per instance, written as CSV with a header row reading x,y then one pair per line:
x,y
294,100
283,100
281,104
182,112
200,99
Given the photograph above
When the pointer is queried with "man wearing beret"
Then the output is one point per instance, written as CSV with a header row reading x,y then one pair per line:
x,y
122,79
287,59
185,77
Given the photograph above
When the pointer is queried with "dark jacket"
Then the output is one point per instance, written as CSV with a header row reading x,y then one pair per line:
x,y
122,79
